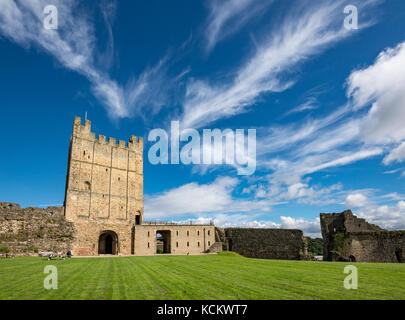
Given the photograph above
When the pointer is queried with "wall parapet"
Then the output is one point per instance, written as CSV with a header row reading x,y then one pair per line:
x,y
84,132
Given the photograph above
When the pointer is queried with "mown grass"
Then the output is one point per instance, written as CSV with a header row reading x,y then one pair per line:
x,y
196,277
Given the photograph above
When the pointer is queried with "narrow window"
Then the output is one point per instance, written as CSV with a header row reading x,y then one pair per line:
x,y
177,244
188,233
177,233
209,243
148,233
198,232
148,245
188,244
198,243
209,232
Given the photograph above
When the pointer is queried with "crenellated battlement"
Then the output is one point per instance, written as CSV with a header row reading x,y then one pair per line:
x,y
84,131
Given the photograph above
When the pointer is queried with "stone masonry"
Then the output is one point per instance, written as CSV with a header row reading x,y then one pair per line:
x,y
264,243
348,238
32,230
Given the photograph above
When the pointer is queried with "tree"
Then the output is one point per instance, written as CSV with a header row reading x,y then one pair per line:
x,y
315,246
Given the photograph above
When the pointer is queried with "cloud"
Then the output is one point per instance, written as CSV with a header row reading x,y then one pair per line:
x,y
311,103
394,196
228,16
347,159
396,155
305,32
382,86
385,216
194,198
356,200
310,228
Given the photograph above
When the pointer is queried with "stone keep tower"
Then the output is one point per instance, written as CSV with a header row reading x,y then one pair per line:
x,y
104,191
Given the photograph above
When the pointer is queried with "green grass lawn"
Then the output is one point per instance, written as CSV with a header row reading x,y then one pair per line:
x,y
196,277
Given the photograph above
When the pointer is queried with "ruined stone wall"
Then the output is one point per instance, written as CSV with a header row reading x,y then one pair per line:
x,y
265,243
104,187
184,239
348,238
31,230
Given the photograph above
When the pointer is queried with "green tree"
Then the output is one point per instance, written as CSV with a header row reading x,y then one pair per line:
x,y
315,246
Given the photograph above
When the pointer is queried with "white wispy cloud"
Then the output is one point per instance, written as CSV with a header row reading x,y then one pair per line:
x,y
228,16
73,45
194,198
305,32
311,103
294,151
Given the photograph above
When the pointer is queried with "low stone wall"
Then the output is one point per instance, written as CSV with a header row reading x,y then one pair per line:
x,y
27,231
265,243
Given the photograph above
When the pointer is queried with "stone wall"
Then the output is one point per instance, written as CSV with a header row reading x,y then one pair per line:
x,y
348,238
181,239
264,243
31,230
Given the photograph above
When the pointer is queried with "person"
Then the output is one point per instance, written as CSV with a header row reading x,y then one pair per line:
x,y
69,254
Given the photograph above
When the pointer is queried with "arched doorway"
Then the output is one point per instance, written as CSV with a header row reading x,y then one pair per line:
x,y
108,243
163,242
398,255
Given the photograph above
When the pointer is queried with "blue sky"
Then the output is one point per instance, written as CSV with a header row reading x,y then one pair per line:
x,y
327,103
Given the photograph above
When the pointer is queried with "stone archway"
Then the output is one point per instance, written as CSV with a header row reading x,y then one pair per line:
x,y
398,255
108,243
163,241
